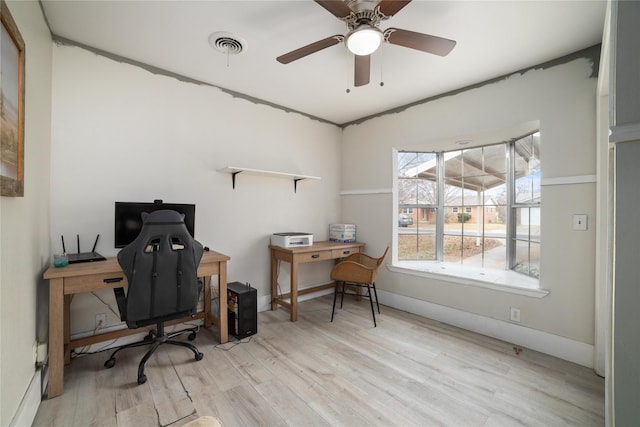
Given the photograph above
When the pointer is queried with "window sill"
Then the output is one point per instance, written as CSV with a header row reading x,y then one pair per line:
x,y
503,281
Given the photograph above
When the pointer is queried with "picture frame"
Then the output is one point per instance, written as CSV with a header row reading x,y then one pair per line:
x,y
12,60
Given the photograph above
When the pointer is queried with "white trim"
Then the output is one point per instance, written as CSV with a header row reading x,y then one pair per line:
x,y
503,281
554,345
365,192
567,180
26,413
623,133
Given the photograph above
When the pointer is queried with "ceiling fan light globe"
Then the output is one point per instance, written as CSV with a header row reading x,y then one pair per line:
x,y
364,40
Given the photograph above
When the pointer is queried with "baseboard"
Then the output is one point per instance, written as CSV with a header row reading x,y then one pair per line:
x,y
544,342
26,413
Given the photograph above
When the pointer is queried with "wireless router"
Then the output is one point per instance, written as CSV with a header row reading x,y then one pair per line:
x,y
83,256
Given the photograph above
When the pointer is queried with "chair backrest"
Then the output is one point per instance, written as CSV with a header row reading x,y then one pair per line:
x,y
357,268
161,266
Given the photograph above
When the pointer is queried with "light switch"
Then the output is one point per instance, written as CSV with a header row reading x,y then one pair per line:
x,y
580,222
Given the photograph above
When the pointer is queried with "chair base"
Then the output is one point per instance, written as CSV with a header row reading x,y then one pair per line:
x,y
341,289
155,338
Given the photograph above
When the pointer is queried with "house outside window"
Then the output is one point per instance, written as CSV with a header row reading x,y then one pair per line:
x,y
483,203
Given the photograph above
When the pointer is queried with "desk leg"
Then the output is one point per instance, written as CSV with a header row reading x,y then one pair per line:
x,y
206,298
67,329
274,281
222,303
56,337
294,291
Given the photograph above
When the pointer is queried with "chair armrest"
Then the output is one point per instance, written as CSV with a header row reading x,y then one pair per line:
x,y
349,271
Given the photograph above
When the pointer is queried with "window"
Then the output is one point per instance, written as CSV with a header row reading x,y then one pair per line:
x,y
482,206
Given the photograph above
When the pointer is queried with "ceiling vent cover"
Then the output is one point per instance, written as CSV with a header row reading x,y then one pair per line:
x,y
227,43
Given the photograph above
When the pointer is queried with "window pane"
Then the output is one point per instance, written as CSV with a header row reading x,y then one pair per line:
x,y
472,162
453,194
417,244
527,222
453,165
496,192
489,252
407,192
410,165
426,191
527,258
470,193
452,250
495,159
527,170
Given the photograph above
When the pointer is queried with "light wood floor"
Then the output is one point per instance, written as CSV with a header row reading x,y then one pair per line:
x,y
409,371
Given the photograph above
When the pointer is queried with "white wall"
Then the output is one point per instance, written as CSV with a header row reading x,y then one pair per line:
x,y
121,133
24,221
563,99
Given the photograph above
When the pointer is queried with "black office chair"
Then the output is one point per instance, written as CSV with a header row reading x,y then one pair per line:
x,y
161,266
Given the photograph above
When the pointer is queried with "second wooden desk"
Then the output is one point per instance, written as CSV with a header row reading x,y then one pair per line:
x,y
319,251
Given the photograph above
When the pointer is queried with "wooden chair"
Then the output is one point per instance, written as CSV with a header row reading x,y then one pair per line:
x,y
357,271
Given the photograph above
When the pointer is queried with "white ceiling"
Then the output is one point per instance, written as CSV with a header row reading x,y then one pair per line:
x,y
494,38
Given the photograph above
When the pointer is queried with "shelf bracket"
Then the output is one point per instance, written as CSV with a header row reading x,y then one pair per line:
x,y
233,179
295,184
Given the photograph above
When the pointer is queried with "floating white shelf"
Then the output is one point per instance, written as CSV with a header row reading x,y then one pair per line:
x,y
233,170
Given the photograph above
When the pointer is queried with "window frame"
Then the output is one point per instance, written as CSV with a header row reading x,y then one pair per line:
x,y
440,207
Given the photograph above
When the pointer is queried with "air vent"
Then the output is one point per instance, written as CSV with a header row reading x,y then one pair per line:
x,y
227,43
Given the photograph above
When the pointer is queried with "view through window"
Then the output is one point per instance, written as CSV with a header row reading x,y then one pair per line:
x,y
476,207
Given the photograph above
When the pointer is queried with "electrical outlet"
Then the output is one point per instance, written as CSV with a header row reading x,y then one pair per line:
x,y
515,314
101,320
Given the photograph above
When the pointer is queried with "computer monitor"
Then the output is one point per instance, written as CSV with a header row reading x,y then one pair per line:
x,y
128,218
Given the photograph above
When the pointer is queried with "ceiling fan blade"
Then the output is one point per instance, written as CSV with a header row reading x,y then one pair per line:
x,y
424,42
336,7
391,7
362,72
309,49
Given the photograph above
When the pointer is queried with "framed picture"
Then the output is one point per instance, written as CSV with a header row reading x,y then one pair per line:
x,y
11,106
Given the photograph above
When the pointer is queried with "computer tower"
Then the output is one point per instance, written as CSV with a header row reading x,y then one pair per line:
x,y
242,303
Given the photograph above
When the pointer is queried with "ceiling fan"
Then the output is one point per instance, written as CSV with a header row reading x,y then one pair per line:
x,y
363,18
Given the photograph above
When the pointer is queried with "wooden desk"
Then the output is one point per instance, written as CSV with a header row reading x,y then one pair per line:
x,y
319,251
92,276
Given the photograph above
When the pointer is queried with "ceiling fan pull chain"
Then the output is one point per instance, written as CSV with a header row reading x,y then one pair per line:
x,y
381,67
348,66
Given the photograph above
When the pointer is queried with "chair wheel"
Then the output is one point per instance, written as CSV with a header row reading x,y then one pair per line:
x,y
192,336
142,379
199,356
149,336
110,363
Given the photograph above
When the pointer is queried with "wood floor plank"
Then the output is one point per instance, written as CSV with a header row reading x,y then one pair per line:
x,y
290,405
409,371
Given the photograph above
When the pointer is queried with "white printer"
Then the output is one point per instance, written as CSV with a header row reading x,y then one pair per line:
x,y
290,240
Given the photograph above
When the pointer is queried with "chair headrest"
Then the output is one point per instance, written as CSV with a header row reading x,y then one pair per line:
x,y
163,216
